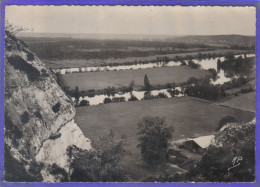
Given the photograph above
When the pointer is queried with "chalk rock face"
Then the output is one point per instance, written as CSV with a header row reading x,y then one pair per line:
x,y
39,116
53,151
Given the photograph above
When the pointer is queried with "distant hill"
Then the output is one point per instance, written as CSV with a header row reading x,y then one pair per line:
x,y
206,39
217,39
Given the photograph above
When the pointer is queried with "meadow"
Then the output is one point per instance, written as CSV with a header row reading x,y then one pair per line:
x,y
66,52
245,102
96,61
157,76
189,117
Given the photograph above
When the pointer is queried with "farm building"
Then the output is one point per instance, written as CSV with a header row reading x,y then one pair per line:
x,y
197,144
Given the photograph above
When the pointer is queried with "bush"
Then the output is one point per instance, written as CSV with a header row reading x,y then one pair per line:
x,y
107,100
161,95
110,91
193,65
44,73
60,172
148,96
132,98
147,84
100,164
247,90
25,117
30,56
154,136
90,94
56,108
84,103
214,73
225,120
20,64
118,99
76,94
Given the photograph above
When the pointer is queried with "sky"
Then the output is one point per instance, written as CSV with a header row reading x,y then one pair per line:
x,y
139,20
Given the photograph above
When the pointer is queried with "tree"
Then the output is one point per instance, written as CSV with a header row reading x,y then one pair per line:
x,y
131,85
100,164
225,120
84,103
12,29
76,94
60,81
218,64
154,136
229,56
147,83
107,100
132,98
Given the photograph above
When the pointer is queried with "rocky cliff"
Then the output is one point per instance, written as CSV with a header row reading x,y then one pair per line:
x,y
39,118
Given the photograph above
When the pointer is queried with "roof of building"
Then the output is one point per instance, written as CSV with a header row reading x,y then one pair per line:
x,y
203,141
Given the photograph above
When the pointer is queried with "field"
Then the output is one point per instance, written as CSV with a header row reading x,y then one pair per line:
x,y
188,116
101,80
66,51
65,63
244,102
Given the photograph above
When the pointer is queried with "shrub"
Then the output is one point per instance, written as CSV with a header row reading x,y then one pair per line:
x,y
132,98
100,164
107,100
193,65
225,120
57,171
76,94
214,73
161,95
147,84
90,94
20,64
148,96
110,91
171,92
246,90
25,117
118,99
44,73
84,102
30,56
56,107
60,81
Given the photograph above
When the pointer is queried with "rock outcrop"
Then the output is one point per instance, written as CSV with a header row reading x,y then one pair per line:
x,y
39,117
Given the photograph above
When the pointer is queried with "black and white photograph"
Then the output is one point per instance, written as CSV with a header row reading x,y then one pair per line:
x,y
129,93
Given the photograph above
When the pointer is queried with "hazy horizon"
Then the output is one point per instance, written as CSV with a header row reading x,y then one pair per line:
x,y
134,20
22,33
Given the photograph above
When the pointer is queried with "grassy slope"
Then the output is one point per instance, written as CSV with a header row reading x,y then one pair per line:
x,y
100,80
244,102
188,116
